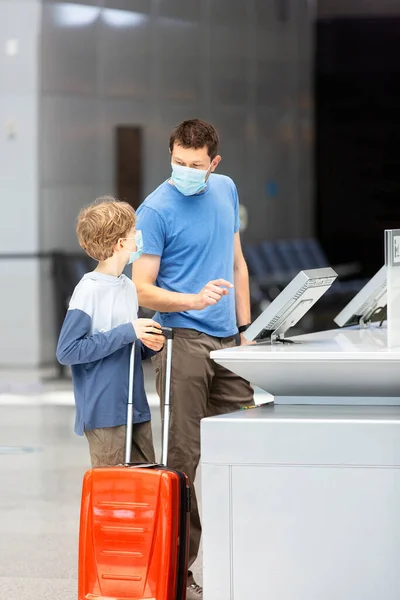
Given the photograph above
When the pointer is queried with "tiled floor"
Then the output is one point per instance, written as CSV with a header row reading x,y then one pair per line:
x,y
41,466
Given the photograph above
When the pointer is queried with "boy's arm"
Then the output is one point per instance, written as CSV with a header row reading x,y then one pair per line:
x,y
147,352
76,347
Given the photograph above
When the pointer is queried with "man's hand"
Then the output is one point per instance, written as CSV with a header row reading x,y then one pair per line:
x,y
244,342
211,293
149,333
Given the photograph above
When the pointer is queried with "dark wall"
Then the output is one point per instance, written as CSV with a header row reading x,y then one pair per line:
x,y
358,136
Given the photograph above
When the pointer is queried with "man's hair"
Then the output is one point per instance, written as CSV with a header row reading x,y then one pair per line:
x,y
101,224
195,134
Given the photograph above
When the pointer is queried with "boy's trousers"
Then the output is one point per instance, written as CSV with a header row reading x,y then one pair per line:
x,y
107,445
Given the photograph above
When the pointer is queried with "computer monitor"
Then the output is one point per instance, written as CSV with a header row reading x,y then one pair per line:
x,y
368,305
291,305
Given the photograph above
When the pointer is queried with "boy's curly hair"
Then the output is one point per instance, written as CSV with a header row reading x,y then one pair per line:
x,y
101,224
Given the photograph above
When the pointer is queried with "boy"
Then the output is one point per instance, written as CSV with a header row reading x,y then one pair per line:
x,y
97,335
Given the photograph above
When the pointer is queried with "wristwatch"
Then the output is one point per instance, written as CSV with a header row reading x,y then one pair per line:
x,y
243,328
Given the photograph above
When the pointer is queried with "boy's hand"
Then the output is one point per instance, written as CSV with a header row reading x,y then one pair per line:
x,y
155,342
149,333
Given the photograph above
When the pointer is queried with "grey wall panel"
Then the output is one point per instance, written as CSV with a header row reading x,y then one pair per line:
x,y
18,142
47,319
273,87
273,46
18,118
19,310
19,314
142,6
181,11
157,167
351,8
19,222
178,82
68,142
266,13
18,72
228,12
231,123
74,2
62,203
228,81
125,57
181,60
68,53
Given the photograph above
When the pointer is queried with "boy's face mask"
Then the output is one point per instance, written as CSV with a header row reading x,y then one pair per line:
x,y
139,247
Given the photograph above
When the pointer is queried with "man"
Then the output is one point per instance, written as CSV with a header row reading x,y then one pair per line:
x,y
190,227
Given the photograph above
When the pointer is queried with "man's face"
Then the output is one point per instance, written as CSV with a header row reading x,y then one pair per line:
x,y
194,159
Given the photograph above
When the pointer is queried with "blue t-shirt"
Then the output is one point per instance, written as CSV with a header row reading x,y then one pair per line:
x,y
194,236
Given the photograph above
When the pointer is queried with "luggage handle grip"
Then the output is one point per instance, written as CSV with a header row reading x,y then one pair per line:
x,y
167,332
142,465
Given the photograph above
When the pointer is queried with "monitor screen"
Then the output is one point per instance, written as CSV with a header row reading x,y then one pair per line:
x,y
368,305
291,305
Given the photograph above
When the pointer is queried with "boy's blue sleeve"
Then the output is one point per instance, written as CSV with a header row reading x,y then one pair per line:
x,y
147,352
76,345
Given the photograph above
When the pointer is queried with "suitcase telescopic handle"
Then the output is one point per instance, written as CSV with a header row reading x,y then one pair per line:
x,y
129,416
168,333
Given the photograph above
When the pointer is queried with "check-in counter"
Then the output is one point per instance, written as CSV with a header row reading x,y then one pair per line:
x,y
301,497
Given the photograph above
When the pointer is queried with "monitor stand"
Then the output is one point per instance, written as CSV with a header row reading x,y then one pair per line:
x,y
275,339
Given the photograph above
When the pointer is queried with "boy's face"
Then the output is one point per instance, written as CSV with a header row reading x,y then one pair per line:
x,y
131,246
128,243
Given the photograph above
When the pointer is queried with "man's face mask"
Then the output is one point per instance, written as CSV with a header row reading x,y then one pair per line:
x,y
139,247
189,181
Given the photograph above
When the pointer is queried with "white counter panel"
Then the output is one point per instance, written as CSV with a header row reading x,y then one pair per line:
x,y
315,533
302,503
341,362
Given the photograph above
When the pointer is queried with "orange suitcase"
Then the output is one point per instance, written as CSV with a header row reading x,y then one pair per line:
x,y
134,527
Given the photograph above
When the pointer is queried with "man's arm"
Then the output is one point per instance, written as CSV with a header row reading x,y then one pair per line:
x,y
242,288
144,275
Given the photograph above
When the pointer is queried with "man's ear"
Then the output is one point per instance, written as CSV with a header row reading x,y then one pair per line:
x,y
215,162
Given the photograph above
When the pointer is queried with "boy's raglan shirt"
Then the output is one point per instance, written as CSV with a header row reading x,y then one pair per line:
x,y
96,340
